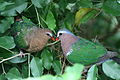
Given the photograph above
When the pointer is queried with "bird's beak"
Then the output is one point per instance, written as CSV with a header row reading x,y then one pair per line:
x,y
57,39
52,38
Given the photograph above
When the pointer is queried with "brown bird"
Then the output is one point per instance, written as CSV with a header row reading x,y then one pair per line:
x,y
28,37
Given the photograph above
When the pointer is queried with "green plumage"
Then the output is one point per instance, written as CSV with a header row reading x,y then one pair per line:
x,y
86,52
19,30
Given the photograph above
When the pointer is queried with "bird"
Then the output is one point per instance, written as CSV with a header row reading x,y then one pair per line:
x,y
28,37
80,50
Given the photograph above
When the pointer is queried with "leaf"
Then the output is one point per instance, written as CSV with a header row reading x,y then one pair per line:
x,y
25,70
5,53
111,69
13,74
57,67
92,73
7,42
5,24
4,4
85,3
18,59
18,6
2,77
47,59
50,20
111,9
91,14
37,3
73,73
36,67
80,14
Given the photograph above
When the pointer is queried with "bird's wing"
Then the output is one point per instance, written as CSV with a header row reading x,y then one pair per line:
x,y
86,52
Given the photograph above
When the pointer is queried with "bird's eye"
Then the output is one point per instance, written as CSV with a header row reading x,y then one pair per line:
x,y
48,34
60,34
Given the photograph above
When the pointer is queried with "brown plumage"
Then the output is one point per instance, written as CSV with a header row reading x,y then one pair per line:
x,y
37,39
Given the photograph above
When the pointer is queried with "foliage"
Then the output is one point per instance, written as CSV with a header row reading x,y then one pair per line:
x,y
91,19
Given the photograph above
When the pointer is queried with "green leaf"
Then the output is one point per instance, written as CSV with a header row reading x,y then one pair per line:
x,y
17,6
7,42
13,74
89,16
47,59
85,3
5,53
80,14
112,7
92,73
37,3
4,4
25,70
50,20
5,24
2,77
111,69
57,67
73,73
36,67
18,59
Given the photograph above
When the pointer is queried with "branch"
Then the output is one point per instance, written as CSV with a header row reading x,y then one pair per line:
x,y
3,60
52,43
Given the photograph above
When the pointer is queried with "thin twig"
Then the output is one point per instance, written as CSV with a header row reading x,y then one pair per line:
x,y
28,65
38,16
3,60
52,43
3,69
63,65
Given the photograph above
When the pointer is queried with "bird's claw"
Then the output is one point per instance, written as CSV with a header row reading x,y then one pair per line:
x,y
22,54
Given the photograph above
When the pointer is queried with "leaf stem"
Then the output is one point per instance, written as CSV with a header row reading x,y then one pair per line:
x,y
3,69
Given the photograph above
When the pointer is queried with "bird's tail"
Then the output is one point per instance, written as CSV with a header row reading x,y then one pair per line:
x,y
109,55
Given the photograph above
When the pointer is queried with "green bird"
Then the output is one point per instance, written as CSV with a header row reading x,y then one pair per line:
x,y
80,50
28,36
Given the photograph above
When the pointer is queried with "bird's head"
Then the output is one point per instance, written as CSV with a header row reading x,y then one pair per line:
x,y
48,33
63,33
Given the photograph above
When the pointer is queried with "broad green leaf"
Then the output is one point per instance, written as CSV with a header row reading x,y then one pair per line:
x,y
2,77
5,24
73,73
13,74
7,42
47,59
5,53
92,73
80,14
57,66
4,4
50,20
17,6
18,60
25,70
111,69
112,7
37,3
85,3
89,15
36,67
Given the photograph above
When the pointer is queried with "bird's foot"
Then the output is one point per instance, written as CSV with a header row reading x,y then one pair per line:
x,y
22,54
